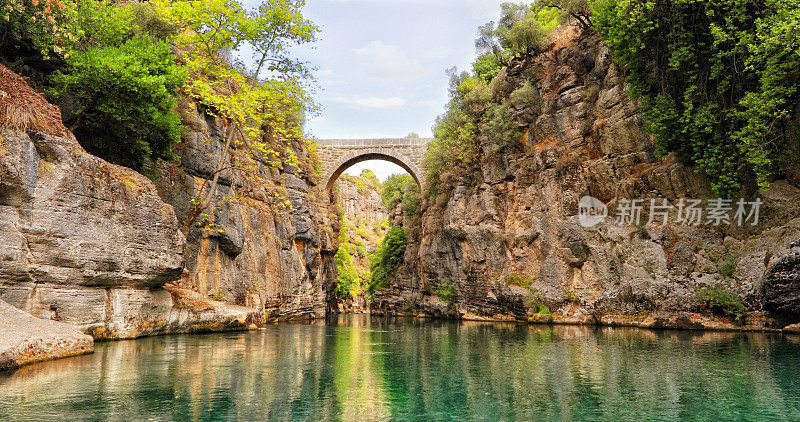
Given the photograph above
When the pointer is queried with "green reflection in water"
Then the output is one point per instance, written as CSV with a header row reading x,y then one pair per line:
x,y
362,368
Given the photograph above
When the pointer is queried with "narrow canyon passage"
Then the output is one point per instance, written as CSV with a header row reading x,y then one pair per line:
x,y
376,219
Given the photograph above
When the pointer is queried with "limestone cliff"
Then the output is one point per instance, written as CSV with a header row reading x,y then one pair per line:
x,y
98,246
508,239
363,223
83,241
268,248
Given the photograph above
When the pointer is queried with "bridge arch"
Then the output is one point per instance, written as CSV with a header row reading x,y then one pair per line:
x,y
337,155
357,157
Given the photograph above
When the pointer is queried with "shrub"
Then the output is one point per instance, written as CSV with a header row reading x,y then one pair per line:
x,y
446,291
521,281
716,80
123,99
500,128
721,301
348,284
535,304
486,67
524,96
385,261
726,266
572,297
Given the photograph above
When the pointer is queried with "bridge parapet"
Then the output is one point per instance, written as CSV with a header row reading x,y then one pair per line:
x,y
337,155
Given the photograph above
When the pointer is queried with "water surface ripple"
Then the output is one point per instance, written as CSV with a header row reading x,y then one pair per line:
x,y
362,368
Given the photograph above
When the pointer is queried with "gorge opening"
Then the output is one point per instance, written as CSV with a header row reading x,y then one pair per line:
x,y
378,205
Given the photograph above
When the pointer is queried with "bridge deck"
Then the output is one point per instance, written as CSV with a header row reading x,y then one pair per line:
x,y
376,142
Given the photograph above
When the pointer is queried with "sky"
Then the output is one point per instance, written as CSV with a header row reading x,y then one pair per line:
x,y
381,65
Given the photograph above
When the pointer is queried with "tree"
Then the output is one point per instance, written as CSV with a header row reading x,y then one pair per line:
x,y
717,80
575,9
518,33
261,115
412,135
123,99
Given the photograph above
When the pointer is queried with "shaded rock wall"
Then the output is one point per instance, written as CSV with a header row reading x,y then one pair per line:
x,y
82,241
264,247
94,245
516,215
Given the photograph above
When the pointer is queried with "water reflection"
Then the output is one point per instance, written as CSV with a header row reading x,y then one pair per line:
x,y
361,368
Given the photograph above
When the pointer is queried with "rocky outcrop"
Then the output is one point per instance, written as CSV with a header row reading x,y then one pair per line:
x,y
267,246
782,287
25,339
359,200
86,242
509,238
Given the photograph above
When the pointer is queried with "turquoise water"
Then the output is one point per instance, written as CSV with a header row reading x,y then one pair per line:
x,y
362,368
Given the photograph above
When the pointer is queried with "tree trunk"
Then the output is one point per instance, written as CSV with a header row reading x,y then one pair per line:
x,y
203,204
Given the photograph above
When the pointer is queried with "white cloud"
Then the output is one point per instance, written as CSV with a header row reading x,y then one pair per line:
x,y
389,62
371,102
438,52
429,103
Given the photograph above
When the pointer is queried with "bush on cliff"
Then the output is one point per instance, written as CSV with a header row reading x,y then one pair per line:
x,y
721,301
402,188
122,99
717,80
385,261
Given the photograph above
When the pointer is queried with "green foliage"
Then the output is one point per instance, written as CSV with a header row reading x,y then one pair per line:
x,y
39,26
262,100
348,283
402,188
534,303
385,261
525,95
556,12
721,301
518,33
486,67
446,291
726,265
369,177
412,135
572,297
455,146
363,231
717,80
519,280
500,128
123,98
471,111
641,231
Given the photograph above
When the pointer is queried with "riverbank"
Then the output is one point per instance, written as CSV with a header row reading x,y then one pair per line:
x,y
753,322
25,339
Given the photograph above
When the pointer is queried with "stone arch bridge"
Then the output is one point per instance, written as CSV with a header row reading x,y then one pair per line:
x,y
336,155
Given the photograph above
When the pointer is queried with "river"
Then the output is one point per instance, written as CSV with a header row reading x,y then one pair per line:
x,y
358,367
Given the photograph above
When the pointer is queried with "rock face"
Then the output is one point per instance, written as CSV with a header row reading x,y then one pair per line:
x,y
516,219
25,339
360,202
782,287
265,247
93,244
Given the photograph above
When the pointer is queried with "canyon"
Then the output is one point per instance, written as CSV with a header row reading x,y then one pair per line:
x,y
99,246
